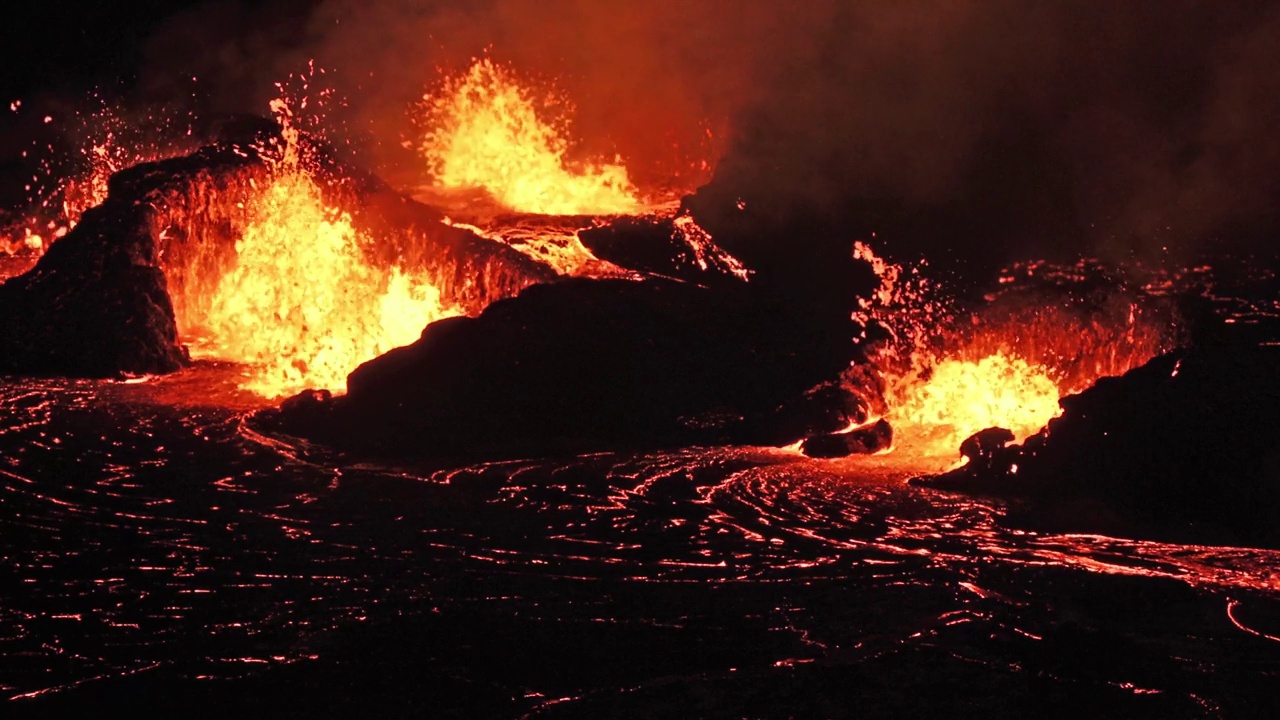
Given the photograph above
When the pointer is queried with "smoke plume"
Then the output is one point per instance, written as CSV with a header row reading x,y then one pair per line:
x,y
996,126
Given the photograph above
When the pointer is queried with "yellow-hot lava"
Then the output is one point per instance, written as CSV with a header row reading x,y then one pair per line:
x,y
302,304
960,397
488,130
944,380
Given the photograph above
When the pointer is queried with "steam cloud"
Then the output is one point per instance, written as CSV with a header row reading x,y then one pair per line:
x,y
1013,127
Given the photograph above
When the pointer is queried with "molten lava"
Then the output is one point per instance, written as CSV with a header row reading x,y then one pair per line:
x,y
704,250
960,397
488,130
553,241
945,380
103,141
302,304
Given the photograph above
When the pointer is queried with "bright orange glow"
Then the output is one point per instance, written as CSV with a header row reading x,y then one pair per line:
x,y
556,244
960,397
104,142
945,380
488,130
302,305
705,251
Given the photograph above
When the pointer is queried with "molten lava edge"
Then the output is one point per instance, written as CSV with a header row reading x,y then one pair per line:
x,y
263,251
1183,448
245,244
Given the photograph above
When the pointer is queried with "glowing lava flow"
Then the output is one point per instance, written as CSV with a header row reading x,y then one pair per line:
x,y
302,304
555,243
486,131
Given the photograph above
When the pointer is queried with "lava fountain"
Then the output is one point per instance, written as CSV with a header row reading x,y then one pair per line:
x,y
498,147
487,129
301,304
958,397
948,373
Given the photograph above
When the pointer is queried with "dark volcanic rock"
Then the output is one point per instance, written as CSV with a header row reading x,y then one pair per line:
x,y
102,300
822,409
982,447
672,247
588,365
696,357
96,304
863,441
1186,447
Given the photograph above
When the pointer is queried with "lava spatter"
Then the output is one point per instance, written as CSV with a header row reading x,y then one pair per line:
x,y
488,129
302,304
948,373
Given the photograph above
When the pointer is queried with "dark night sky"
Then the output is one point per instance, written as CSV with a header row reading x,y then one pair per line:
x,y
64,44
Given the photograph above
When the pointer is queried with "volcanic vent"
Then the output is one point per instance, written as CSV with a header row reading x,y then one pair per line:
x,y
258,249
265,250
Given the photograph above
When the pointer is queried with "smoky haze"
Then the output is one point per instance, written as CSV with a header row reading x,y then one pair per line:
x,y
1002,127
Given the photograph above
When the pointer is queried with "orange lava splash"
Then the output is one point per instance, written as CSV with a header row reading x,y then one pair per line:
x,y
488,130
1006,365
302,304
69,180
960,397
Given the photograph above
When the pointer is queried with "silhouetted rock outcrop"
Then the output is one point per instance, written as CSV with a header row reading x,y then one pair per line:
x,y
982,447
588,365
673,247
1186,447
96,304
